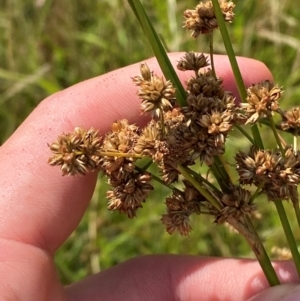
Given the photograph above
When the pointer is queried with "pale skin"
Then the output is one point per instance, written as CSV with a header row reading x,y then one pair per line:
x,y
40,208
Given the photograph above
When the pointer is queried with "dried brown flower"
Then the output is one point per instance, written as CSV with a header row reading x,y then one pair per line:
x,y
192,61
291,120
262,98
76,153
202,19
237,204
157,95
277,175
116,144
130,192
180,205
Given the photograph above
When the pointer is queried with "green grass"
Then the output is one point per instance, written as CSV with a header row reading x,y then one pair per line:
x,y
48,45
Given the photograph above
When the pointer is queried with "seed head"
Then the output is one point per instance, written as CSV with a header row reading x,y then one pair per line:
x,y
192,61
130,193
291,120
77,152
202,19
262,98
157,95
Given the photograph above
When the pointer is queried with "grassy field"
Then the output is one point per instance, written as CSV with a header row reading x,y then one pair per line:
x,y
48,45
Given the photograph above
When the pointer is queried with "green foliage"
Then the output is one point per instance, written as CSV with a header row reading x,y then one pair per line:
x,y
48,45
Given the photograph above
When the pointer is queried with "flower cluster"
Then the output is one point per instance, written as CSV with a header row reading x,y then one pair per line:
x,y
157,95
202,19
178,136
277,175
76,153
262,99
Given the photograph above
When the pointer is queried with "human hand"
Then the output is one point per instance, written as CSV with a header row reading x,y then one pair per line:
x,y
40,209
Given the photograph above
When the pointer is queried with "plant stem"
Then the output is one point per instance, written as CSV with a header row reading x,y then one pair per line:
x,y
220,174
201,179
184,171
244,133
157,179
123,155
288,233
235,68
261,254
159,50
272,124
211,54
297,212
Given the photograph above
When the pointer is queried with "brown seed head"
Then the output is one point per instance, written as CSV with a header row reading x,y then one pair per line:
x,y
262,98
76,153
202,19
157,95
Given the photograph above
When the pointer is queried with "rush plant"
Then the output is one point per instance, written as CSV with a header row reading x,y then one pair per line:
x,y
189,127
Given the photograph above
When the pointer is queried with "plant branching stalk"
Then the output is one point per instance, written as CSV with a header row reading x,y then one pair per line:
x,y
235,67
220,174
198,186
244,133
159,50
289,234
261,254
211,54
297,212
157,179
121,155
275,133
201,179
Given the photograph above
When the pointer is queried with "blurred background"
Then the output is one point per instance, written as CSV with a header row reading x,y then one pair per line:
x,y
48,45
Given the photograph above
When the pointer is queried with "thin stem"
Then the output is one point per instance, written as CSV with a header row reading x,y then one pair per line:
x,y
211,54
257,138
288,233
147,165
297,212
198,186
159,50
162,122
262,255
200,178
157,179
234,66
220,173
275,133
116,154
244,133
256,193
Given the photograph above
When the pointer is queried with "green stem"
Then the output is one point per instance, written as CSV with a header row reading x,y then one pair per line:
x,y
235,68
159,50
116,154
275,133
244,133
288,233
157,179
257,138
184,171
220,174
147,165
256,193
211,54
297,212
262,255
201,179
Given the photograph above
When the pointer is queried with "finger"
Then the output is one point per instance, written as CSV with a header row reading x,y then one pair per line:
x,y
35,194
287,292
183,278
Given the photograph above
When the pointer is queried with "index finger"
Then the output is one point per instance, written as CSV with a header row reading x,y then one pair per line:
x,y
34,194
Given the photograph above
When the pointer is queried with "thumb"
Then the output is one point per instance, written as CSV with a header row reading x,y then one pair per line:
x,y
285,292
